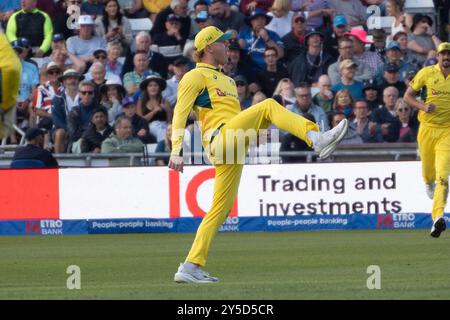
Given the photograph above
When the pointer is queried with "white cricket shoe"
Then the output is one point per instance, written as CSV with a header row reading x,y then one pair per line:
x,y
329,140
438,227
429,188
193,274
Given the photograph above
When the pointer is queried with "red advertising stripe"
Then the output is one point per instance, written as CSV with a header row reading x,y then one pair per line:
x,y
29,194
174,193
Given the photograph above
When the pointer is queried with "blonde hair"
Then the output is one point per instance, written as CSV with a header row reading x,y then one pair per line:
x,y
197,55
280,83
400,102
281,6
340,93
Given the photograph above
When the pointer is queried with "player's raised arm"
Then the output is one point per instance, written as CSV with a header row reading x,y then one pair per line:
x,y
188,90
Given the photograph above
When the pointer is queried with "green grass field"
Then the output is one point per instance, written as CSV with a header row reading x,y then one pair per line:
x,y
283,265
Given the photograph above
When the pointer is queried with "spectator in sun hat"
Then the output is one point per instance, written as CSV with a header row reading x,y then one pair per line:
x,y
34,149
422,40
85,43
44,94
257,38
378,46
361,55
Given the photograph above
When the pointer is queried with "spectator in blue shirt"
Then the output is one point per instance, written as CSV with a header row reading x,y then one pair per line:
x,y
257,38
348,69
7,8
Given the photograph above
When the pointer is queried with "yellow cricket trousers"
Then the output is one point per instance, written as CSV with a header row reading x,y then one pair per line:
x,y
434,148
228,175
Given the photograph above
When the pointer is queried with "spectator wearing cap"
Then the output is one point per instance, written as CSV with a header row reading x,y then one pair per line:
x,y
325,97
239,63
139,126
62,105
180,9
34,149
371,95
313,63
7,8
224,18
85,43
122,141
244,95
199,6
170,43
346,48
155,61
133,79
361,55
422,41
97,131
28,81
112,93
303,105
153,107
347,70
402,21
44,94
274,72
79,117
368,130
257,38
391,78
294,41
93,8
112,25
282,15
315,12
386,116
33,24
248,6
201,21
394,56
354,10
180,68
340,27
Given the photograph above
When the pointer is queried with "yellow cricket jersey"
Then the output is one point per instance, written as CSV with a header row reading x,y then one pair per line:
x,y
438,93
212,95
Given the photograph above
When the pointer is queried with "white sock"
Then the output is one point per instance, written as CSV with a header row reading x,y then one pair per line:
x,y
189,265
313,135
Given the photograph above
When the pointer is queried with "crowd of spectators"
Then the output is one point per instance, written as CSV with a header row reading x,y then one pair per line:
x,y
103,88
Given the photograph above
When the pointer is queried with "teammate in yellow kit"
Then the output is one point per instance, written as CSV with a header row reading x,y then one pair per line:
x,y
10,71
213,96
434,132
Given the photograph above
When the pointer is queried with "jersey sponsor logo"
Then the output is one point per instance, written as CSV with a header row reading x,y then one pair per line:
x,y
221,93
438,92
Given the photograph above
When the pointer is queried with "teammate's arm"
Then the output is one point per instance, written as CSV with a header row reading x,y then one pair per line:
x,y
189,88
413,90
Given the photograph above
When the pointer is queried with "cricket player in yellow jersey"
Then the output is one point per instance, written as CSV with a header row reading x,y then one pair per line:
x,y
10,71
434,132
213,96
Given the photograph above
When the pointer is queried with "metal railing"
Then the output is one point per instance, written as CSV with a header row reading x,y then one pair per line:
x,y
344,153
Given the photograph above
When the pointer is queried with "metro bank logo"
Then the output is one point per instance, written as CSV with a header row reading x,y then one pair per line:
x,y
191,194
